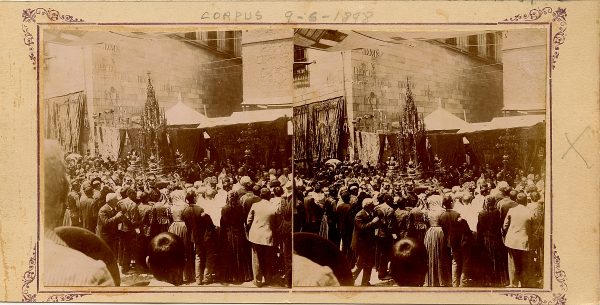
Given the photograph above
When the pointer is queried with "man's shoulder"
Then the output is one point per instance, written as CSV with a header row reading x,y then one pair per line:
x,y
59,271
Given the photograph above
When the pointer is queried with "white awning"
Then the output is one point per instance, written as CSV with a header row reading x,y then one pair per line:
x,y
440,119
247,117
520,121
182,114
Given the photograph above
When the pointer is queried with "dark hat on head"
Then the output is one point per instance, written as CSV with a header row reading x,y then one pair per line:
x,y
274,183
96,181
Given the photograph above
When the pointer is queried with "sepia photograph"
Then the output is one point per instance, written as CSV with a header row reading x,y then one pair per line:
x,y
166,156
420,157
310,152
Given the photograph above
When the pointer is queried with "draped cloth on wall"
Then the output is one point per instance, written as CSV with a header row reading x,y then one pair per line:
x,y
189,142
368,147
318,129
131,139
267,141
108,140
389,146
448,147
529,140
302,136
66,117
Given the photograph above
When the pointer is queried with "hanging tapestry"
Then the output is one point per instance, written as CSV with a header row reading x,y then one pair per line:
x,y
66,117
188,141
327,121
389,146
369,146
301,135
108,140
318,129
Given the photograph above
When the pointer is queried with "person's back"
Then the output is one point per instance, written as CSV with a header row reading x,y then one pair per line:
x,y
86,202
260,219
507,203
517,225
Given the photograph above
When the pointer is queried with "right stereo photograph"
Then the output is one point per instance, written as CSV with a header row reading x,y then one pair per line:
x,y
419,157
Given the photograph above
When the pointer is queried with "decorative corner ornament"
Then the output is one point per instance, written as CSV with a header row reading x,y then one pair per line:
x,y
31,274
29,16
558,21
555,298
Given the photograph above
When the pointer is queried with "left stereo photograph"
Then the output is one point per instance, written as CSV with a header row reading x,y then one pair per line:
x,y
165,157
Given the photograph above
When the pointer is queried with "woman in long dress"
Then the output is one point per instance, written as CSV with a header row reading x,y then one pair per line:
x,y
439,263
493,252
178,228
235,249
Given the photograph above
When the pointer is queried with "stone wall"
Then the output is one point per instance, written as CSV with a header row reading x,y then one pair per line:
x,y
268,58
464,85
326,77
525,69
120,66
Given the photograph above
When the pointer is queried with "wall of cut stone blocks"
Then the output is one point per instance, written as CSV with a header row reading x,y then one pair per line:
x,y
268,59
326,77
203,77
465,86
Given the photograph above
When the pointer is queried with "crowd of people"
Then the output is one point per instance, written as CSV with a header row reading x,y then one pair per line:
x,y
477,227
204,223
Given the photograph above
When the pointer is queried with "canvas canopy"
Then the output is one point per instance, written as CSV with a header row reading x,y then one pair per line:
x,y
247,117
521,121
442,120
182,114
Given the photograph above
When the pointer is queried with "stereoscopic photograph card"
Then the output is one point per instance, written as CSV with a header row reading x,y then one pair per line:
x,y
305,152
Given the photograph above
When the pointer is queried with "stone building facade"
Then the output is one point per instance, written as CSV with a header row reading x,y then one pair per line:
x,y
466,81
113,69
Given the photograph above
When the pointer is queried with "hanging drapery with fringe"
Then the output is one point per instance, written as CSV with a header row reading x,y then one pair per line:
x,y
318,129
108,140
368,147
66,117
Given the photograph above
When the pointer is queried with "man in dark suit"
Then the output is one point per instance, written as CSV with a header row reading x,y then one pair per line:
x,y
363,240
450,221
384,235
109,218
250,198
129,228
507,203
344,224
196,225
86,204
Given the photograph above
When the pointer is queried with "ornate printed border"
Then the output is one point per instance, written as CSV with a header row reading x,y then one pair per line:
x,y
31,274
556,298
29,16
559,19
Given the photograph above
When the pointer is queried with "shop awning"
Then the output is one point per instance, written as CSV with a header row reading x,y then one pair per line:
x,y
270,102
521,121
247,117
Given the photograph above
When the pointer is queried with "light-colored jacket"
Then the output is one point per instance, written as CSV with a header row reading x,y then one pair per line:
x,y
260,219
518,228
